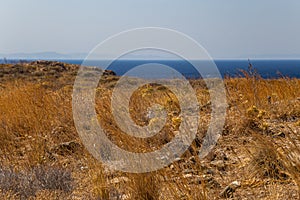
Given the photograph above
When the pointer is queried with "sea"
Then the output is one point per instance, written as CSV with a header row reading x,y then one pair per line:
x,y
266,68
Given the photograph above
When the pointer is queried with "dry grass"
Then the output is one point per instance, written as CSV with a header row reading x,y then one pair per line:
x,y
41,153
26,184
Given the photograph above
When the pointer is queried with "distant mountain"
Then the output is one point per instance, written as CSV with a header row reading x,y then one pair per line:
x,y
272,56
148,54
43,55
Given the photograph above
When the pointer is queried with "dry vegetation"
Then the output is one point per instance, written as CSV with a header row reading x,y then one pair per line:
x,y
42,157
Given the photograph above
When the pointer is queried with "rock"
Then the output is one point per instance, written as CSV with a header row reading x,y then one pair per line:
x,y
188,176
179,160
118,180
229,190
217,155
208,180
188,171
280,134
67,148
193,159
211,182
109,73
219,164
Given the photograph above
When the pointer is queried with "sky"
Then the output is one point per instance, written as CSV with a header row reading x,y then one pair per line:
x,y
226,29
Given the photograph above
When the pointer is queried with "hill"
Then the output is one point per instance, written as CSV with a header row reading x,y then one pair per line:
x,y
43,157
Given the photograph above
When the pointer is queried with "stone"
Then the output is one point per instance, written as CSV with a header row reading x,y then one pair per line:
x,y
109,73
229,190
118,180
67,148
219,164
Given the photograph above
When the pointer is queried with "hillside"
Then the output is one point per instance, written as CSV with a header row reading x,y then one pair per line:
x,y
42,156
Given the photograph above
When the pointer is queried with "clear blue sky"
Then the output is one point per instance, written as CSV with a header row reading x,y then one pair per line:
x,y
231,28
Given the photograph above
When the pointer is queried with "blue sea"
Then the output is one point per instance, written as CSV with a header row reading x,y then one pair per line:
x,y
266,68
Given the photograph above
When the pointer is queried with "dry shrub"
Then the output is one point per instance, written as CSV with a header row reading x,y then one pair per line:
x,y
28,115
101,188
141,100
289,152
265,160
185,190
275,159
27,183
145,186
253,100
